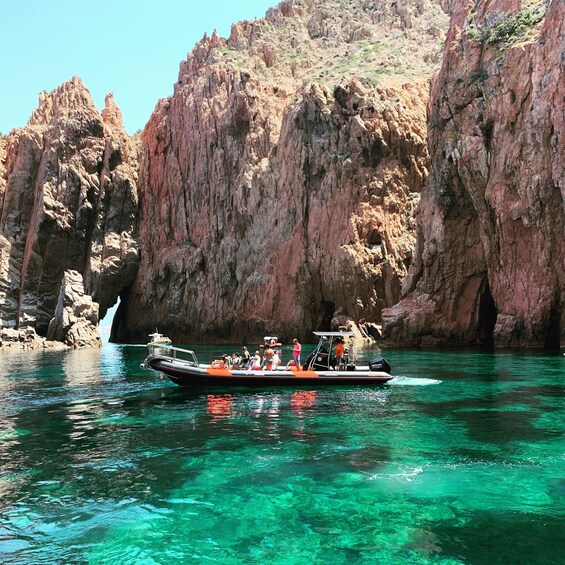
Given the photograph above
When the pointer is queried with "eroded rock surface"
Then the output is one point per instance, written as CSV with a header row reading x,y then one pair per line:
x,y
26,338
280,179
491,249
68,200
76,316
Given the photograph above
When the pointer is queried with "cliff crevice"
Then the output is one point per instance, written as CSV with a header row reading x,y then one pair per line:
x,y
279,182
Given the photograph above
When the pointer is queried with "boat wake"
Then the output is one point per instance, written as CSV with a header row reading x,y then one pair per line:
x,y
413,381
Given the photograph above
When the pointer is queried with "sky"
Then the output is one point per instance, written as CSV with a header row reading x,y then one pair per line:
x,y
132,48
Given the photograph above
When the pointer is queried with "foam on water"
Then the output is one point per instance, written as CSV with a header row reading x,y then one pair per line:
x,y
413,381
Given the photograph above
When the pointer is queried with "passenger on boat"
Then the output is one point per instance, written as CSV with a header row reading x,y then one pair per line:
x,y
276,360
268,359
236,361
256,362
296,350
227,360
339,352
245,358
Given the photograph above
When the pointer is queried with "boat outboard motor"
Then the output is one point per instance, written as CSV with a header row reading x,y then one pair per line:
x,y
379,364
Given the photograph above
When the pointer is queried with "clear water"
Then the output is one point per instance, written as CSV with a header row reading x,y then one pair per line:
x,y
460,459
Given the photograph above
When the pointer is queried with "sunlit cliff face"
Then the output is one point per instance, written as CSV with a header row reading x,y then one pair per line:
x,y
68,187
279,182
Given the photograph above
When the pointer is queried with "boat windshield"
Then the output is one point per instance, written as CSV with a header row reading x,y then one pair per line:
x,y
167,351
323,357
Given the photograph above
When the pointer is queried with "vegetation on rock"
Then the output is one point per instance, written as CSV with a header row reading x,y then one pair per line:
x,y
508,29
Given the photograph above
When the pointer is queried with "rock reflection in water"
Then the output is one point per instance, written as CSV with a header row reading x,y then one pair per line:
x,y
82,367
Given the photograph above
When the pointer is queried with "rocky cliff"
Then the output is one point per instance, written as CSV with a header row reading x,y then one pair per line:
x,y
490,260
75,320
277,186
279,181
68,200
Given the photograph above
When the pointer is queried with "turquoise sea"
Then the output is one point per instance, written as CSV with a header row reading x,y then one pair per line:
x,y
459,460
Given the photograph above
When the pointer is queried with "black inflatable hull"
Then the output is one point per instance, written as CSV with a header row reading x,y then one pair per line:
x,y
187,375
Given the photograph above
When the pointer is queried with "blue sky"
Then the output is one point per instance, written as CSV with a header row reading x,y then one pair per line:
x,y
132,48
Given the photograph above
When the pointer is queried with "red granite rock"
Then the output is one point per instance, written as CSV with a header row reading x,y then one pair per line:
x,y
279,181
75,320
490,260
68,187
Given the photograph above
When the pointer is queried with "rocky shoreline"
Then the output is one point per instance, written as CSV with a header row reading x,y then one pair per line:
x,y
75,324
27,339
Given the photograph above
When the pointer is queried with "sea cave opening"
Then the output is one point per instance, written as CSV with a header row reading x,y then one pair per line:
x,y
488,314
326,315
553,333
119,332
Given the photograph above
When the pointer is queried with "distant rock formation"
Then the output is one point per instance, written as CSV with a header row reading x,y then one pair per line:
x,y
68,200
490,260
76,316
278,183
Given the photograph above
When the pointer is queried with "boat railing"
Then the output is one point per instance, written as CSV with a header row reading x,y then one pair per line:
x,y
172,353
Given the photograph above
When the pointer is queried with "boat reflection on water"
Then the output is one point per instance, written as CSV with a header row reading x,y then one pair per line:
x,y
219,406
303,403
223,406
302,400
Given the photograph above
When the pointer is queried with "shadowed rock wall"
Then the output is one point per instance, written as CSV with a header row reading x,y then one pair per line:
x,y
490,259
